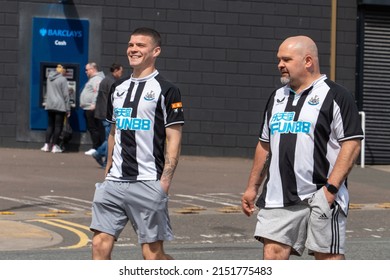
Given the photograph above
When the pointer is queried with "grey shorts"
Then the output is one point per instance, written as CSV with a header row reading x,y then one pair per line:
x,y
143,203
312,225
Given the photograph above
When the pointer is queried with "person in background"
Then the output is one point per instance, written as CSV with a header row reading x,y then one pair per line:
x,y
88,103
57,106
116,71
146,116
308,144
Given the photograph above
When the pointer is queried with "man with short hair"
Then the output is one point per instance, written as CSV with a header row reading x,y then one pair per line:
x,y
146,118
88,103
308,144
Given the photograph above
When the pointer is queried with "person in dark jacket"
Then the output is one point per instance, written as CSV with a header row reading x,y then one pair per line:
x,y
116,71
57,106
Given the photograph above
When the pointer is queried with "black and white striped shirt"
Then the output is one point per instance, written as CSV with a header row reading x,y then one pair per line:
x,y
141,109
304,132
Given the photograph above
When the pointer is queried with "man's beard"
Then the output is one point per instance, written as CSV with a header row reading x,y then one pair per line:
x,y
285,80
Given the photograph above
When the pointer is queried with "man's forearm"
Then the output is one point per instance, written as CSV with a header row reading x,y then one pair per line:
x,y
172,155
345,161
171,162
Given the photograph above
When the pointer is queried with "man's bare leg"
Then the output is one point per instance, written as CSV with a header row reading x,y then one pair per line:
x,y
102,245
154,251
275,251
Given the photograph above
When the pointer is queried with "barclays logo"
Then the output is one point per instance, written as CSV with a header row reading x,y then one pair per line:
x,y
43,32
61,33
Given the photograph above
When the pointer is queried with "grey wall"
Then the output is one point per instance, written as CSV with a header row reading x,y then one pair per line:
x,y
222,55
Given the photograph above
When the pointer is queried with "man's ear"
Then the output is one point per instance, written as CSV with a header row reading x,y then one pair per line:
x,y
309,61
156,51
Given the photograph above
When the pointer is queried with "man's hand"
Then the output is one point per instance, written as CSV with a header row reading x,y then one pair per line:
x,y
330,197
256,177
248,201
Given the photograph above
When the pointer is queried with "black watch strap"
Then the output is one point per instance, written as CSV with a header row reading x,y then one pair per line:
x,y
331,188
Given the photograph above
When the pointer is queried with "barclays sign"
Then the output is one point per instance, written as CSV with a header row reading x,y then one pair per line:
x,y
69,34
56,40
60,33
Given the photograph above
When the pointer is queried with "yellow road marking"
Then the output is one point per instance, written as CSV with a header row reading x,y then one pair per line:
x,y
60,211
47,215
230,209
384,205
7,213
71,224
82,236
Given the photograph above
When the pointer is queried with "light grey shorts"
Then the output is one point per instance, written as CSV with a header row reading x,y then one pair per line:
x,y
311,224
143,203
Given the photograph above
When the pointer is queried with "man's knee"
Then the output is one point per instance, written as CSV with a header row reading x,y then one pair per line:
x,y
276,251
102,244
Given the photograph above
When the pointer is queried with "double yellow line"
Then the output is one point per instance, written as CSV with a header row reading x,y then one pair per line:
x,y
84,239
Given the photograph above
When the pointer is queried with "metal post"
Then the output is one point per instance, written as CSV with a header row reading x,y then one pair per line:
x,y
333,39
362,151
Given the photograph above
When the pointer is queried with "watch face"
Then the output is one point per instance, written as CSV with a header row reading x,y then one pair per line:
x,y
332,189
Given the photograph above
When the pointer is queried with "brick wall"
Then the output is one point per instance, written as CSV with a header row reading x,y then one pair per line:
x,y
8,70
222,55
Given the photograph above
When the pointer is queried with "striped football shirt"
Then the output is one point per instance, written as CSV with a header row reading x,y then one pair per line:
x,y
304,132
141,109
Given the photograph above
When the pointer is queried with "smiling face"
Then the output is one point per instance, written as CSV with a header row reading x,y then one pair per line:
x,y
142,52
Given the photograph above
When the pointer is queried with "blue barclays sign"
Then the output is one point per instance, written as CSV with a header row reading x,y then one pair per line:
x,y
56,40
49,34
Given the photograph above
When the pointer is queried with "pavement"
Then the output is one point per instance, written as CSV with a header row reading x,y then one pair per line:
x,y
369,186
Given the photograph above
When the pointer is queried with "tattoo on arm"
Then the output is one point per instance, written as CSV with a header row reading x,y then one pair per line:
x,y
170,167
265,166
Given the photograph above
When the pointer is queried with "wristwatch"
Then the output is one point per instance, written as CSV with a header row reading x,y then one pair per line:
x,y
331,188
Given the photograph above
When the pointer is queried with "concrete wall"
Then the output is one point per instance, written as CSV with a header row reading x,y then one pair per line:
x,y
222,55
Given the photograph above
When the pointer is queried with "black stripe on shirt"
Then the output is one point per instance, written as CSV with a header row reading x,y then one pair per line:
x,y
159,138
129,147
287,146
322,132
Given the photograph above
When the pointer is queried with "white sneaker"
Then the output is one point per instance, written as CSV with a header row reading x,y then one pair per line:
x,y
45,148
56,149
90,152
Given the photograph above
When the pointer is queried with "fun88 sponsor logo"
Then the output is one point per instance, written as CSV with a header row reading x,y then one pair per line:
x,y
284,123
124,121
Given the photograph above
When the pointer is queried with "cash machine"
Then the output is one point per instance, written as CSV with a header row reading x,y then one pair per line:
x,y
72,74
58,41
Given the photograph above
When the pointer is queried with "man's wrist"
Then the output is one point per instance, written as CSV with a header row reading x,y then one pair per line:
x,y
331,188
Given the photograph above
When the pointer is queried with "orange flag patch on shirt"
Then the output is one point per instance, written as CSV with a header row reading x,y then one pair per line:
x,y
177,105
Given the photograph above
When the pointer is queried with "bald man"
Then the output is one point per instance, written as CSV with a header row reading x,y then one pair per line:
x,y
308,143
